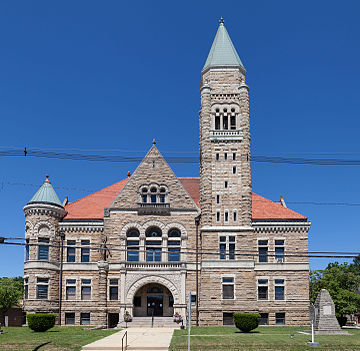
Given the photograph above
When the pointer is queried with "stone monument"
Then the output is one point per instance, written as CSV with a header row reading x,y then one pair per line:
x,y
323,315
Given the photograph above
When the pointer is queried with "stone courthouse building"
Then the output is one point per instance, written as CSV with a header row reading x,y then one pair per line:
x,y
132,246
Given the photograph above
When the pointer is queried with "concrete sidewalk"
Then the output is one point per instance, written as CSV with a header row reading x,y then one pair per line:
x,y
138,339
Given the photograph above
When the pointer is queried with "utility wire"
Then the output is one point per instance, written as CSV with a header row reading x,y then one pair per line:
x,y
174,159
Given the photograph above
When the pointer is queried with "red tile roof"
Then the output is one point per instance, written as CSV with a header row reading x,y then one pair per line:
x,y
92,206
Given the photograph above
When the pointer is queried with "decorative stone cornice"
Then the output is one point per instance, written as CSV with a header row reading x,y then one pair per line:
x,y
227,229
44,209
87,227
282,227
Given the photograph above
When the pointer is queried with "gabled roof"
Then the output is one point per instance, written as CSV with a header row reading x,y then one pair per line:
x,y
92,206
222,52
46,194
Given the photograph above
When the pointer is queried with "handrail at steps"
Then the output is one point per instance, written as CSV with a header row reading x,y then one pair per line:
x,y
122,341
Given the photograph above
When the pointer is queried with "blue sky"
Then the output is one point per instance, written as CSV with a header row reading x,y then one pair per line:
x,y
114,75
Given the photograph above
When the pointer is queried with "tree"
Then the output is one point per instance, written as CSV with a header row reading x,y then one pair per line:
x,y
342,281
11,290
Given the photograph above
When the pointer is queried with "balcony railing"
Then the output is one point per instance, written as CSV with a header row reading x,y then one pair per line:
x,y
154,265
153,208
226,134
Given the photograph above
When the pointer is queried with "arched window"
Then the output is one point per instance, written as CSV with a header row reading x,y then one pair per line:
x,y
132,245
153,232
153,194
153,244
174,243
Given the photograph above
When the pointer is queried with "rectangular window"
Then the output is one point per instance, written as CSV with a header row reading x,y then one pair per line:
x,y
226,184
70,318
228,288
218,216
227,247
193,298
137,301
264,319
85,318
85,251
232,122
133,250
235,216
226,216
42,288
174,254
279,250
153,254
70,289
279,289
225,122
234,169
114,289
217,157
70,253
43,249
217,199
217,122
144,199
86,289
26,288
27,251
162,198
280,318
225,156
263,250
228,318
263,289
171,301
234,156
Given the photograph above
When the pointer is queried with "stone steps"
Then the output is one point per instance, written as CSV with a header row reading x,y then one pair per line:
x,y
159,322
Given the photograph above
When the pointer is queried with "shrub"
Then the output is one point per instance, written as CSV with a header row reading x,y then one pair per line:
x,y
41,322
246,321
342,320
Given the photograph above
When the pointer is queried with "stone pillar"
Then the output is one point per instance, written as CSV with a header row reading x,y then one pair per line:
x,y
142,248
102,294
164,248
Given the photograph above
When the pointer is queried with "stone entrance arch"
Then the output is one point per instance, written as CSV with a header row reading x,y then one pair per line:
x,y
148,280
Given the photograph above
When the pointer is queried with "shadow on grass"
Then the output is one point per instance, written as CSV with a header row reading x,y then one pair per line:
x,y
38,347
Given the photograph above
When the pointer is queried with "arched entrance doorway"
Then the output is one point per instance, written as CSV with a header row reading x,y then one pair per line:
x,y
153,299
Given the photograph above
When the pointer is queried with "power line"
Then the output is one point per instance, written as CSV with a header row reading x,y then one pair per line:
x,y
173,159
213,252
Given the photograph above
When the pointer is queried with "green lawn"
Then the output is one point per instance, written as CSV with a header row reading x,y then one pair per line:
x,y
262,338
58,338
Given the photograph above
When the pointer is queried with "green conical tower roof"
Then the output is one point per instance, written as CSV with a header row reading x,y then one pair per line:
x,y
46,194
222,52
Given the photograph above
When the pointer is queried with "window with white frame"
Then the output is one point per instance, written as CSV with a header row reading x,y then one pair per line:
x,y
227,247
264,319
27,250
26,288
85,289
114,289
153,244
70,318
174,245
43,249
70,251
85,318
280,318
132,245
85,250
279,250
70,289
279,289
42,287
228,288
153,194
263,250
263,289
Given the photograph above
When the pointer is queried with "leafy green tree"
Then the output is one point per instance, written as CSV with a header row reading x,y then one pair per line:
x,y
342,281
11,290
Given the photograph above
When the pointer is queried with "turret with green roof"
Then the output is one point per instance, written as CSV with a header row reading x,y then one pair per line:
x,y
46,195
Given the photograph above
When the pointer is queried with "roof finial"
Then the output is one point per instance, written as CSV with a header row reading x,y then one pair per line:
x,y
47,178
154,142
221,21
